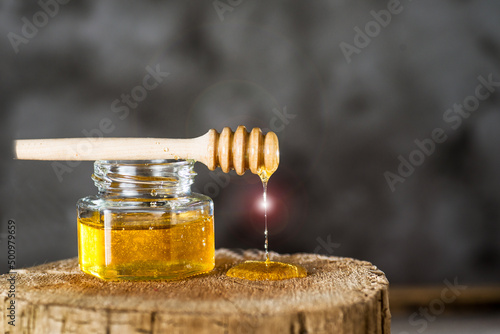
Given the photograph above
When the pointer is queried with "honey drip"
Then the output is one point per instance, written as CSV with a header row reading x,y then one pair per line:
x,y
266,233
266,270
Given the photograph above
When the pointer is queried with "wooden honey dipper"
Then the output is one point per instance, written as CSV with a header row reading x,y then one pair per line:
x,y
239,150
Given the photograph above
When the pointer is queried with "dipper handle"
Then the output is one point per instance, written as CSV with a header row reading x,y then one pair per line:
x,y
237,150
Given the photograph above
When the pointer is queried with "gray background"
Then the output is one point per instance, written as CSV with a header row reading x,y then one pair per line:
x,y
348,123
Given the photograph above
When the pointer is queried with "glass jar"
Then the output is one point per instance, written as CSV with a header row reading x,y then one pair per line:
x,y
145,223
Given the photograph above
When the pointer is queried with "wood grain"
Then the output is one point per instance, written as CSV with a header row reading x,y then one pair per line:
x,y
340,295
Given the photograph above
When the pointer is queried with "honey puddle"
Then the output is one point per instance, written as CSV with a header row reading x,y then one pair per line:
x,y
266,270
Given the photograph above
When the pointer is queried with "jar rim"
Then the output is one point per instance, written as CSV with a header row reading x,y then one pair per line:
x,y
168,177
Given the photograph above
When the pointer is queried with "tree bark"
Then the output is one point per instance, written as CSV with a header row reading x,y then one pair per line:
x,y
339,295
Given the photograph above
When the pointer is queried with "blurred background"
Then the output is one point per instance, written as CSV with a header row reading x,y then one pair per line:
x,y
387,114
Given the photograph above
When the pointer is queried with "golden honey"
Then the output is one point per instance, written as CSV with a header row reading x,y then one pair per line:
x,y
145,223
153,248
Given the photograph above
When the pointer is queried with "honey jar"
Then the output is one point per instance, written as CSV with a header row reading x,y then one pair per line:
x,y
145,223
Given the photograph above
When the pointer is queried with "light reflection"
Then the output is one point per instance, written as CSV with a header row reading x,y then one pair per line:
x,y
264,204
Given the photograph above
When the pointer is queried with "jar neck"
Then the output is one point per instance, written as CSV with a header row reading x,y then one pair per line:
x,y
148,178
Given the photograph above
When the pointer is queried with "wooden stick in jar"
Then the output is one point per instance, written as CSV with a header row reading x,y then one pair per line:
x,y
237,150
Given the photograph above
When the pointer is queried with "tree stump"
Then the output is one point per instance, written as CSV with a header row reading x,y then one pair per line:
x,y
339,295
